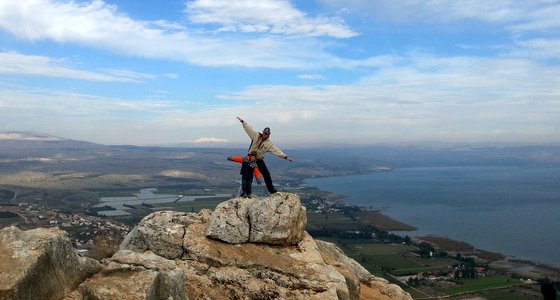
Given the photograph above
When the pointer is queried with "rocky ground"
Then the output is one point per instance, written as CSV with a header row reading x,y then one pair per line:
x,y
245,249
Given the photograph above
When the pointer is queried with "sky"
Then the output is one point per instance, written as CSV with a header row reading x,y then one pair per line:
x,y
317,72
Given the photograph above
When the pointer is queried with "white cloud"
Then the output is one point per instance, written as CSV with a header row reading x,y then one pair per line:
x,y
209,140
453,99
542,19
463,100
539,48
516,16
532,26
100,25
311,76
434,11
21,64
26,101
263,16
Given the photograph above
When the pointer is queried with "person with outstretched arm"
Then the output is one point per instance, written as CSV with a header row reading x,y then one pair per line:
x,y
260,143
248,168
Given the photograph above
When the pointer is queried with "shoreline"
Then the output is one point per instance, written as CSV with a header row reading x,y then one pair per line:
x,y
497,260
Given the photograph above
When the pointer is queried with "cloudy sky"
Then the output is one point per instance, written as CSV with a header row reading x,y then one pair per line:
x,y
316,71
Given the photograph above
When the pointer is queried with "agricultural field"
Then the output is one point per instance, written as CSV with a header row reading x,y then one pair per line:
x,y
490,287
334,220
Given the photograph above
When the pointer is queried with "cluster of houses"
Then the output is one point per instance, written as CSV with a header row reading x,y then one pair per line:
x,y
80,228
454,272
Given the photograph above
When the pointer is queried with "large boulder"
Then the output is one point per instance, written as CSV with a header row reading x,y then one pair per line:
x,y
40,264
132,275
214,269
162,232
279,220
230,221
219,259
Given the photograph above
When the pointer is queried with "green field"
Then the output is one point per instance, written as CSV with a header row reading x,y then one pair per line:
x,y
523,292
394,258
483,283
335,220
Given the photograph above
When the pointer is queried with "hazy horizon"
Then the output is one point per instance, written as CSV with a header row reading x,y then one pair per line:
x,y
43,136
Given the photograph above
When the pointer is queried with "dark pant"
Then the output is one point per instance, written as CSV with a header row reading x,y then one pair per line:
x,y
266,175
246,179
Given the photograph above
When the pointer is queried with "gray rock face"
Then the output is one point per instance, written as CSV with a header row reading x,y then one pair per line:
x,y
279,220
230,221
132,275
40,264
162,232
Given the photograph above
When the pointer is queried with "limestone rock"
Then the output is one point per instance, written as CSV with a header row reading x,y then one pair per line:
x,y
381,289
230,221
279,219
230,269
40,264
162,232
224,271
131,275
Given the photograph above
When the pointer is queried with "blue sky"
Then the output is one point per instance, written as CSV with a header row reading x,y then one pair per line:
x,y
316,71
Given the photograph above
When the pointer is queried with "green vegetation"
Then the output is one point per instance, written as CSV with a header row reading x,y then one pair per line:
x,y
525,292
480,284
334,221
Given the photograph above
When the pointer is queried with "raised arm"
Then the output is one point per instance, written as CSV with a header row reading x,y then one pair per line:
x,y
248,129
238,159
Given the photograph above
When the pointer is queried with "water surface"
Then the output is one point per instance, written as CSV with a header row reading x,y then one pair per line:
x,y
512,210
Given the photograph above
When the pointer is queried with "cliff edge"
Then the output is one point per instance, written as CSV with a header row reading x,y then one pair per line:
x,y
244,249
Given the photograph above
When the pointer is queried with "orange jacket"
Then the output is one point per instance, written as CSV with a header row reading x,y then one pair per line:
x,y
241,159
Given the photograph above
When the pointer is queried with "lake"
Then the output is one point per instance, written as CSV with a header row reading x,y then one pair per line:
x,y
513,210
144,196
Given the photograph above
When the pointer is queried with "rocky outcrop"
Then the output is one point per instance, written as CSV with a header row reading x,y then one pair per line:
x,y
280,220
213,255
133,275
40,264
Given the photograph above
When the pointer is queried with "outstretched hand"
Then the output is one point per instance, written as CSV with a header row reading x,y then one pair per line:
x,y
240,120
288,158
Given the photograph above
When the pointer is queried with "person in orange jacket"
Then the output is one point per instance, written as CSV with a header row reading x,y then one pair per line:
x,y
248,168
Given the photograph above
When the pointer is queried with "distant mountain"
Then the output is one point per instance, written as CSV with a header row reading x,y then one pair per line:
x,y
38,143
27,136
364,158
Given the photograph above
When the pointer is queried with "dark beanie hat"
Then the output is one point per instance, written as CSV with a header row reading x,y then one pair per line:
x,y
266,130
